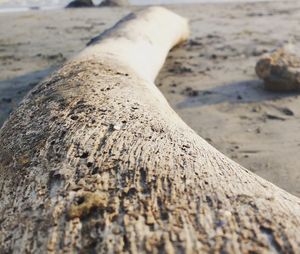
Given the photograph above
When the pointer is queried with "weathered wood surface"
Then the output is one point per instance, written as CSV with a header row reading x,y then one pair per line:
x,y
95,161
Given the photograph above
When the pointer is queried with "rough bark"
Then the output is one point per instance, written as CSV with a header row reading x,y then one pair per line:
x,y
95,161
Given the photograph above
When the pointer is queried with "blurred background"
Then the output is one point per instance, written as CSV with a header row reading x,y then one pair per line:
x,y
12,5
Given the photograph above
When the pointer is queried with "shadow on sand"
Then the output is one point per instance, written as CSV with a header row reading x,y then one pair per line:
x,y
239,92
12,91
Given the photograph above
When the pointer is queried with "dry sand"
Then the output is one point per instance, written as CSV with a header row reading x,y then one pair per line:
x,y
209,81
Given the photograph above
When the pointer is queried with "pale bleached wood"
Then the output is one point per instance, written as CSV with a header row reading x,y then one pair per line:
x,y
95,161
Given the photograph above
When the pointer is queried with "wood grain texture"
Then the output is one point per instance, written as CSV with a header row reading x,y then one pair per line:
x,y
95,161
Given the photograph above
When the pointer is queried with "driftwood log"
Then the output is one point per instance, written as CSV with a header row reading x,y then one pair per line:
x,y
95,161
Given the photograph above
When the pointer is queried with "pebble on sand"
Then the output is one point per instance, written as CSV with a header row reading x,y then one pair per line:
x,y
280,70
114,3
80,3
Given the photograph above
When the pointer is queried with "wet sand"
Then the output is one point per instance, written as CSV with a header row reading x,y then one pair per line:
x,y
209,81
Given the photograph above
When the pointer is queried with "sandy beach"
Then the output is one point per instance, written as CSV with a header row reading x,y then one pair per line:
x,y
209,81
